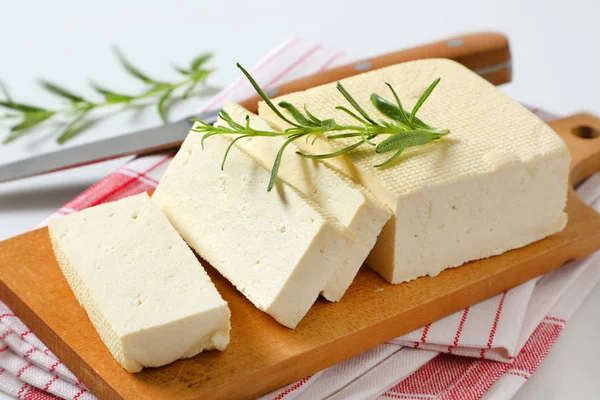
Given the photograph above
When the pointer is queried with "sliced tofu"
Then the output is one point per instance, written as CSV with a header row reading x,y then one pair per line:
x,y
497,182
351,204
144,290
278,248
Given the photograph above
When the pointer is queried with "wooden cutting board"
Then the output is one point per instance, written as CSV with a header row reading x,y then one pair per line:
x,y
263,355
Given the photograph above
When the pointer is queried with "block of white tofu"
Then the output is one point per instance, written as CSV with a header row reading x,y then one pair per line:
x,y
142,287
277,248
351,204
497,182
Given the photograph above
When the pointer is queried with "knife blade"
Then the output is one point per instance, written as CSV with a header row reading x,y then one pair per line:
x,y
167,136
487,54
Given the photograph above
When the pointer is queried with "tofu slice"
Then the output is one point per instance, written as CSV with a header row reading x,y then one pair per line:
x,y
497,182
278,248
351,204
143,289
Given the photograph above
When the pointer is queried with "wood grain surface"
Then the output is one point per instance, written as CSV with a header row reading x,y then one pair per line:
x,y
264,355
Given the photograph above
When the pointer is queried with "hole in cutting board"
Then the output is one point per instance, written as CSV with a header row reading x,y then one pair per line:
x,y
570,260
585,132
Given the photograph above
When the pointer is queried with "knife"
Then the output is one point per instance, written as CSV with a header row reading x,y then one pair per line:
x,y
487,54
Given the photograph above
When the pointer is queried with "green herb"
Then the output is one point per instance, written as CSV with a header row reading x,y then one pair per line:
x,y
75,114
403,130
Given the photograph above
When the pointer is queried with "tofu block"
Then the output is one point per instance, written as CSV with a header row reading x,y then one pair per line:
x,y
497,182
277,248
143,289
352,205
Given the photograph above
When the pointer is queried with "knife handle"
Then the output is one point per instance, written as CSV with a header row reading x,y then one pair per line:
x,y
486,53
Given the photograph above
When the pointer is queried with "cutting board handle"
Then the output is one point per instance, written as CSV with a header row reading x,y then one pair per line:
x,y
581,133
486,53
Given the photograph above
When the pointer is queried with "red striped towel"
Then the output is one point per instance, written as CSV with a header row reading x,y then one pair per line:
x,y
489,349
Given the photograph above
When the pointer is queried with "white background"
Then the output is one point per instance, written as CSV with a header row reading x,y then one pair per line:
x,y
555,48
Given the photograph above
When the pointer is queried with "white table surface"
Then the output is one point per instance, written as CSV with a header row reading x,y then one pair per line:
x,y
555,48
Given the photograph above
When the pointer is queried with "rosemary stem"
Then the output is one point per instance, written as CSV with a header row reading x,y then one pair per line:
x,y
74,113
139,100
403,131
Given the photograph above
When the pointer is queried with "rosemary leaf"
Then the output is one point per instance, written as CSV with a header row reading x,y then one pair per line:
x,y
422,99
331,155
24,108
277,162
350,113
11,137
162,104
354,103
264,96
202,74
182,71
74,128
61,92
229,148
317,136
391,159
207,135
389,125
30,120
403,115
199,121
196,78
301,119
155,90
390,110
200,61
367,139
405,139
133,71
111,96
312,117
344,135
224,115
189,90
117,98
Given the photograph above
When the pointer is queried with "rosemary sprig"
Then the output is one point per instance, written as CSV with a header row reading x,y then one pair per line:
x,y
404,129
160,93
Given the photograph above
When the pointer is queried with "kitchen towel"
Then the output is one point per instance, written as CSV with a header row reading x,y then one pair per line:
x,y
489,349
